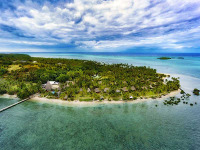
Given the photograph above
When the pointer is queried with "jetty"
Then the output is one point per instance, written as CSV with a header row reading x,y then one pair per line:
x,y
1,110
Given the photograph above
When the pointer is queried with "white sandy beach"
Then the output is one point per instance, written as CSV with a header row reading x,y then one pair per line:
x,y
81,103
8,96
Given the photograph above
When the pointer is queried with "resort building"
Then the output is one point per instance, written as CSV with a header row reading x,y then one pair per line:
x,y
52,85
133,88
125,89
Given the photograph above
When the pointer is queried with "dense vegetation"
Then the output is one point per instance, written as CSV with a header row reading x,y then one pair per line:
x,y
196,91
80,79
164,58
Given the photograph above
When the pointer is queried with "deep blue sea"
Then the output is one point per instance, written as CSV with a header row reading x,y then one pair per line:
x,y
34,125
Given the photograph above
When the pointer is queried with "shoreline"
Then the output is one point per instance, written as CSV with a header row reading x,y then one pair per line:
x,y
84,103
8,96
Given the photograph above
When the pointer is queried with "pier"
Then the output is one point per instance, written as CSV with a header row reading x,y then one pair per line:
x,y
1,110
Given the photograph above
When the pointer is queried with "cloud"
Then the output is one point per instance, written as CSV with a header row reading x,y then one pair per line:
x,y
102,25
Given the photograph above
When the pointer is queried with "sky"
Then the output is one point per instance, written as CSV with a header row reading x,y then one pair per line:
x,y
100,26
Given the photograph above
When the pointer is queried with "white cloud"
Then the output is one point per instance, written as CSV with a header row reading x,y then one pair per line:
x,y
103,24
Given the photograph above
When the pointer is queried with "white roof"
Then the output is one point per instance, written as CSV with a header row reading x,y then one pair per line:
x,y
53,82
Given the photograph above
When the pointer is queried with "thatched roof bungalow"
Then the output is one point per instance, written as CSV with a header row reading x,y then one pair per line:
x,y
99,82
133,88
117,91
66,97
125,89
97,90
88,90
52,85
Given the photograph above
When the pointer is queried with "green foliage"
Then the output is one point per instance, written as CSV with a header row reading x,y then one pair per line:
x,y
3,91
196,91
182,92
3,71
14,57
125,96
86,99
23,93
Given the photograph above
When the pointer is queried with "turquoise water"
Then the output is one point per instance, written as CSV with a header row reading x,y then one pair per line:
x,y
33,125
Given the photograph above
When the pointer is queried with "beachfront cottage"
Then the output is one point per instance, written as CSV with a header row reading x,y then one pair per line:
x,y
52,85
97,90
66,97
101,98
125,89
88,90
106,90
133,88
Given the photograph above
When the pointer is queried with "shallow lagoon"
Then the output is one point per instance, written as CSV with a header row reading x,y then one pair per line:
x,y
33,125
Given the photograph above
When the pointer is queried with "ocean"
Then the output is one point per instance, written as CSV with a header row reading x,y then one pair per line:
x,y
34,125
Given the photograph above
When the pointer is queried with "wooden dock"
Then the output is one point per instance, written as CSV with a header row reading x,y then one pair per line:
x,y
1,110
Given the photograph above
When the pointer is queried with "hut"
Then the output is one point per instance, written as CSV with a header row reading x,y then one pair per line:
x,y
131,97
106,90
118,91
97,90
133,88
100,82
125,89
88,90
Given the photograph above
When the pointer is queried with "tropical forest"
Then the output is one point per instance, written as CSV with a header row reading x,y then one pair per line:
x,y
83,80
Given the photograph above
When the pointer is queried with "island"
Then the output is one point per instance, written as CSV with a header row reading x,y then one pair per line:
x,y
81,80
196,91
180,57
164,58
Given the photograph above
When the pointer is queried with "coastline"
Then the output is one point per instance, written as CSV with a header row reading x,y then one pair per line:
x,y
82,103
8,96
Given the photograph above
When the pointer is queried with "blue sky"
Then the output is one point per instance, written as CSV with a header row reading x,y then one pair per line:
x,y
100,25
